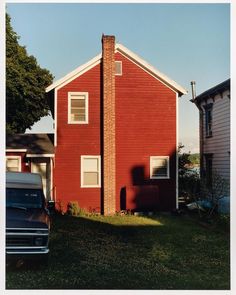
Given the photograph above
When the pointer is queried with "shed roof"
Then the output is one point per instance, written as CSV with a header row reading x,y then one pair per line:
x,y
40,143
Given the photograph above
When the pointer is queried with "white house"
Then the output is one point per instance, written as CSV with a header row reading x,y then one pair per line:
x,y
214,109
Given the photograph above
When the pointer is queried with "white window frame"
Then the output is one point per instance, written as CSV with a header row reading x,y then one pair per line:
x,y
85,94
168,167
14,157
82,171
120,62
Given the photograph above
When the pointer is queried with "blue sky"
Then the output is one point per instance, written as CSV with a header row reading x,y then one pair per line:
x,y
184,41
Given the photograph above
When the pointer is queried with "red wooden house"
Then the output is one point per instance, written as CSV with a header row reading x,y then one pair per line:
x,y
116,134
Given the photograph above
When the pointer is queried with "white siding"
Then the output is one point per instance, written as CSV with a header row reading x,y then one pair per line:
x,y
219,143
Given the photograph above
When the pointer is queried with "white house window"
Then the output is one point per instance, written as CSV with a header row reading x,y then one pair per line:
x,y
90,171
118,68
78,108
159,167
13,163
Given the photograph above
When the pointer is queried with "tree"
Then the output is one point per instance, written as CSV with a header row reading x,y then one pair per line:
x,y
189,180
25,85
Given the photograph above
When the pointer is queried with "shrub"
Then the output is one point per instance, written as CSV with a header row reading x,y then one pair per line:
x,y
59,207
215,191
189,180
73,208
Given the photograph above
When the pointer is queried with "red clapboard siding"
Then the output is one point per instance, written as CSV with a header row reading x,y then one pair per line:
x,y
145,126
74,140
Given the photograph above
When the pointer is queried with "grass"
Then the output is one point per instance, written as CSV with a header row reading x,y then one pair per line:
x,y
129,252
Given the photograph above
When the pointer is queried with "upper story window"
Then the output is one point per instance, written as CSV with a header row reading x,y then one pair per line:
x,y
118,68
208,119
13,163
159,167
78,108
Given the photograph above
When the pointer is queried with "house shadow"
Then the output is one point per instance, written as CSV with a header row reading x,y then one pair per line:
x,y
145,194
142,195
71,239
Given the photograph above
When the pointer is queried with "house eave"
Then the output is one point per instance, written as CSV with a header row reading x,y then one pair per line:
x,y
212,92
78,71
129,54
149,68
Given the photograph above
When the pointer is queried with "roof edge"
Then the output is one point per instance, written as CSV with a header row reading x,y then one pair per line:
x,y
221,86
125,51
150,68
92,62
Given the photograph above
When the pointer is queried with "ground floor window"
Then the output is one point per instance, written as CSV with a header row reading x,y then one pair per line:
x,y
90,171
159,167
13,163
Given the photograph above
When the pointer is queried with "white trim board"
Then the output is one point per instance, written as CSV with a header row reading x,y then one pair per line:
x,y
127,53
75,73
177,156
150,69
16,150
39,155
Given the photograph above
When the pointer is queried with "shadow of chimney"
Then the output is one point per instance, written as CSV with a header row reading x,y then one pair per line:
x,y
150,195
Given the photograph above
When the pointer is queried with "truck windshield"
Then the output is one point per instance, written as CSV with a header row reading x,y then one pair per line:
x,y
24,198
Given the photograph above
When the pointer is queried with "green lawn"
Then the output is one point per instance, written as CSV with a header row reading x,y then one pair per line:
x,y
129,252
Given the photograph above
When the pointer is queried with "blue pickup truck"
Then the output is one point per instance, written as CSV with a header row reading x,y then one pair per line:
x,y
27,216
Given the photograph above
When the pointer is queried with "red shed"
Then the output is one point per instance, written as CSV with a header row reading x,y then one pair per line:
x,y
116,134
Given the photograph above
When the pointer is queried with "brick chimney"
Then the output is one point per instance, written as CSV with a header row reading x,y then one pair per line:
x,y
109,149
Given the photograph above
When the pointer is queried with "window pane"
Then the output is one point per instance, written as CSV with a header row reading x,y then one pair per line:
x,y
78,114
77,118
118,68
90,165
79,111
76,103
159,167
12,162
91,178
159,171
159,162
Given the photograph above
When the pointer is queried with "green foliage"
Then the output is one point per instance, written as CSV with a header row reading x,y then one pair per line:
x,y
184,160
189,181
129,252
25,85
218,189
194,159
73,208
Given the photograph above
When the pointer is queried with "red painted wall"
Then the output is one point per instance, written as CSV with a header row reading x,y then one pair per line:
x,y
145,126
74,140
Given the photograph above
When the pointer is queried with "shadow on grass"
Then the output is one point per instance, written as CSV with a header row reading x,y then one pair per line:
x,y
127,252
